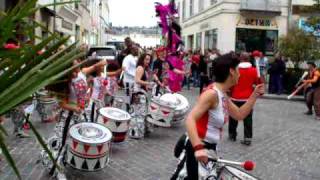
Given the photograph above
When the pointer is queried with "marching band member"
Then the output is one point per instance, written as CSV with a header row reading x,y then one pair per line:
x,y
129,71
313,95
205,122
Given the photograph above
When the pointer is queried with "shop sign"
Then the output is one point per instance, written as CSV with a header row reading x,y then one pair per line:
x,y
260,22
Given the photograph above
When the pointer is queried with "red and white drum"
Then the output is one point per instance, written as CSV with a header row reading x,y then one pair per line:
x,y
88,146
117,121
161,112
230,172
181,110
47,106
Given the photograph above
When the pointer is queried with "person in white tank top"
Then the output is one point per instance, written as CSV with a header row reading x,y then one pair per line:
x,y
205,122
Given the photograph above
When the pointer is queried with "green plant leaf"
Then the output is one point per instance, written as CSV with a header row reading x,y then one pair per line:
x,y
8,156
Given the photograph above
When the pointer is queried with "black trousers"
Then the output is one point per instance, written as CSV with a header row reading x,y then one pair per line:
x,y
204,81
247,123
191,161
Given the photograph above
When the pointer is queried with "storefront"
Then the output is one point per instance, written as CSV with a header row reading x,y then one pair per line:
x,y
257,34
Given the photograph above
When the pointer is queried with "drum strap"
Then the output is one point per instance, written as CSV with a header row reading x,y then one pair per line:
x,y
64,138
92,111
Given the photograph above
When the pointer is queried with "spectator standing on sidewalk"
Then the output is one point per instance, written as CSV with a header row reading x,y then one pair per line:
x,y
187,67
313,95
195,68
203,70
240,94
277,71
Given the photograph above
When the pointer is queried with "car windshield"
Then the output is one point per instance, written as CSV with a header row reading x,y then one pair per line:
x,y
102,52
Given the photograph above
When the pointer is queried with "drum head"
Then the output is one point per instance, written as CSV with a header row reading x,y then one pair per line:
x,y
90,133
230,171
115,114
183,103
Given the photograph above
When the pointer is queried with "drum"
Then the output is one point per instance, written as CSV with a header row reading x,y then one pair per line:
x,y
137,127
230,172
182,107
139,104
118,102
88,146
117,121
47,107
161,112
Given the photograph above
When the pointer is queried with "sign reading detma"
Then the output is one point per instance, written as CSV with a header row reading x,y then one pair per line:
x,y
256,22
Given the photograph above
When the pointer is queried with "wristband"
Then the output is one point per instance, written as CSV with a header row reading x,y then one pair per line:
x,y
198,147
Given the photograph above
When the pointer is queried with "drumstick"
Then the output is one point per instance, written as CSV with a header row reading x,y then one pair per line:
x,y
296,91
305,74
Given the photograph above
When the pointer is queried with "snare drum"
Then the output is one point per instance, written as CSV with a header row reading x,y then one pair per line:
x,y
182,107
47,107
117,121
230,172
161,112
88,146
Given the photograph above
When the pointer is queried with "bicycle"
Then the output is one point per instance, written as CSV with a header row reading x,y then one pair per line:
x,y
215,169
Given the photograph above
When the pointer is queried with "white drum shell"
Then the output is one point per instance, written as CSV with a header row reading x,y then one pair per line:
x,y
161,113
89,146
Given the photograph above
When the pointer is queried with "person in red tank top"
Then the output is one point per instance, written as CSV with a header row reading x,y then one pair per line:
x,y
205,121
239,96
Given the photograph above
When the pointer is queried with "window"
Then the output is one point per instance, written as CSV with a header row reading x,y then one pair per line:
x,y
210,39
191,8
201,5
212,2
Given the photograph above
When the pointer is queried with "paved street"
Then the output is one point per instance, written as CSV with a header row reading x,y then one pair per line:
x,y
285,147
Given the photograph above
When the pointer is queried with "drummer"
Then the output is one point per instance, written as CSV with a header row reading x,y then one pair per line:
x,y
142,76
205,122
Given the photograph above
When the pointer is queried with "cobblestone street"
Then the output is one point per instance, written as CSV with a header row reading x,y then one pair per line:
x,y
285,147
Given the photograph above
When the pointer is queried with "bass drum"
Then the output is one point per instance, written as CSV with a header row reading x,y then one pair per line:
x,y
233,173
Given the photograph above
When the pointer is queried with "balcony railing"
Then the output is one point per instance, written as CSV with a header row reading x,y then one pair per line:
x,y
267,6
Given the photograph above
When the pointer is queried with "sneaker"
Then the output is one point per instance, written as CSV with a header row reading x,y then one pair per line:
x,y
318,118
308,113
246,142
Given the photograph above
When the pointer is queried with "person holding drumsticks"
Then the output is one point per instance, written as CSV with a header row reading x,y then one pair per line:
x,y
205,121
313,95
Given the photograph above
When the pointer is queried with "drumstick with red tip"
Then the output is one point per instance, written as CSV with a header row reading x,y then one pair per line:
x,y
247,165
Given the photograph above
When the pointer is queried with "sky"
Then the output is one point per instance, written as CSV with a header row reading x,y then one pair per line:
x,y
133,12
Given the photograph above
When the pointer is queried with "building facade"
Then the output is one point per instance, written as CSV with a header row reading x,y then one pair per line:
x,y
84,22
236,25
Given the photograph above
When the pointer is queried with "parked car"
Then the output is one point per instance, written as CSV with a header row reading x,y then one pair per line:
x,y
103,52
108,53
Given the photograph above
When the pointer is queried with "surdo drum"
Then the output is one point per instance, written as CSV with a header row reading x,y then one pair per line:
x,y
47,106
88,146
117,121
161,112
182,107
230,172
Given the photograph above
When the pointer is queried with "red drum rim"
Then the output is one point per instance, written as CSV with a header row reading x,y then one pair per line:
x,y
89,156
114,114
90,133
